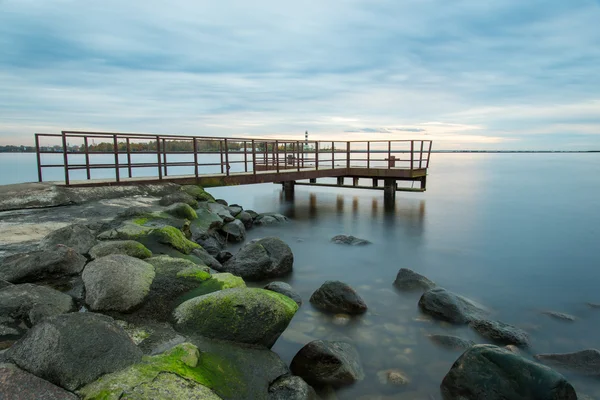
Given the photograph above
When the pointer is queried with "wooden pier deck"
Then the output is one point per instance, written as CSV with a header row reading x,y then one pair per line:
x,y
101,158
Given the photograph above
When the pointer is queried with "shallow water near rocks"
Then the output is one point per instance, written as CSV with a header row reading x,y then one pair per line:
x,y
516,233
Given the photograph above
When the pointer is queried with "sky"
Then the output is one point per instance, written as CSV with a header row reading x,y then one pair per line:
x,y
467,74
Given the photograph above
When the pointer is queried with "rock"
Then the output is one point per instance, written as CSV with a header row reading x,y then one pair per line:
x,y
16,384
31,303
586,362
341,319
222,202
349,240
447,306
128,230
135,211
175,238
323,362
262,259
246,219
252,316
125,247
197,192
252,213
224,256
593,305
220,281
491,373
207,259
71,350
178,197
451,342
162,337
117,282
235,209
182,210
213,243
291,388
560,316
286,290
270,219
78,237
221,210
234,231
54,262
393,377
338,297
4,284
500,332
410,280
206,224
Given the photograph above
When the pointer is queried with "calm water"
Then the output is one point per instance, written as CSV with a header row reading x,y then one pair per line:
x,y
516,232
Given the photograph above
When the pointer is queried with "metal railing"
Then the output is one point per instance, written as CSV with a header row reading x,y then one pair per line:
x,y
168,155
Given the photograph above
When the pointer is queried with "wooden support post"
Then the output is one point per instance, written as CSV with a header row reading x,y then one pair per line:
x,y
313,180
221,154
38,156
164,148
317,156
375,182
355,181
389,190
226,157
424,182
340,180
276,151
368,155
245,157
332,155
412,154
116,151
389,153
195,146
65,157
86,149
253,157
128,158
288,190
421,156
348,154
158,157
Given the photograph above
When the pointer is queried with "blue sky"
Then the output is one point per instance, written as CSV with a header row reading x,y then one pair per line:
x,y
468,74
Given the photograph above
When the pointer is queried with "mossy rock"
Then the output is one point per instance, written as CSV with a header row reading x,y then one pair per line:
x,y
181,210
178,197
128,230
216,282
206,221
243,315
197,192
127,247
174,238
194,273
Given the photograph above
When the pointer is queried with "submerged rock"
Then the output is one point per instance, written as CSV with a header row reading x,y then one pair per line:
x,y
451,342
447,306
393,377
491,373
178,197
234,231
31,303
338,297
560,316
291,388
262,259
78,237
117,282
17,384
125,247
349,240
252,316
410,280
586,362
323,362
286,290
269,219
182,210
74,349
500,332
53,262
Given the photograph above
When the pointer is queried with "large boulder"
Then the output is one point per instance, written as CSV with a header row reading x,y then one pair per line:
x,y
447,306
291,388
322,362
500,332
492,373
234,231
585,362
126,247
71,350
338,297
197,192
286,290
78,237
117,282
178,197
16,384
53,262
182,210
409,280
349,240
30,303
269,219
244,315
261,259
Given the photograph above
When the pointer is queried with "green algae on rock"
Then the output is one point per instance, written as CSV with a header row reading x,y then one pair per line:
x,y
195,273
181,210
197,192
216,282
245,315
174,238
127,247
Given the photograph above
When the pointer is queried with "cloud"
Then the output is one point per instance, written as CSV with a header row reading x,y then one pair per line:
x,y
468,73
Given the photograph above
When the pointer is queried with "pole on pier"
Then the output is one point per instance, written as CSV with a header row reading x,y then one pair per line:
x,y
288,190
389,190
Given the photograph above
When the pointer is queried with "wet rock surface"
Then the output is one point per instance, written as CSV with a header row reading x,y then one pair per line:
x,y
53,262
291,388
349,240
586,362
16,384
261,259
31,303
451,342
410,280
447,306
338,297
126,247
78,237
500,332
286,290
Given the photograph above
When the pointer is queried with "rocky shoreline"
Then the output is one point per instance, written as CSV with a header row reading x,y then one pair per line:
x,y
150,304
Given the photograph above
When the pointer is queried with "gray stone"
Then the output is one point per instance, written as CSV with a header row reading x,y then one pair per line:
x,y
323,362
178,197
206,223
410,280
451,342
16,384
135,211
224,256
261,259
222,202
53,262
349,240
270,219
221,210
246,219
500,332
243,315
291,388
252,213
71,350
206,259
235,209
491,373
559,316
338,297
78,237
31,303
234,231
447,306
286,290
126,247
586,362
181,210
197,192
213,243
117,282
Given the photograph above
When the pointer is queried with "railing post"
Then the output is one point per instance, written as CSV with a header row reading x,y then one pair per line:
x,y
285,155
421,156
253,157
116,151
128,158
389,154
195,147
87,157
160,176
412,153
298,156
277,154
38,156
221,154
368,155
164,148
332,155
428,154
226,157
65,157
316,155
245,157
348,154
